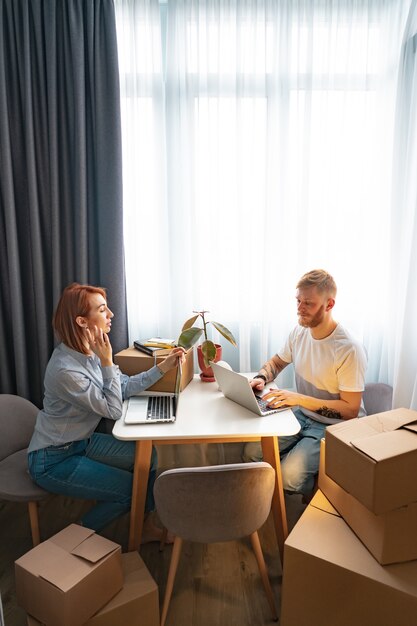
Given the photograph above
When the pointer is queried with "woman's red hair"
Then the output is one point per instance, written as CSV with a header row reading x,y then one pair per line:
x,y
74,302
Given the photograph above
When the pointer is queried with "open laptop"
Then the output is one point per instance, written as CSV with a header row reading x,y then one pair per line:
x,y
236,387
153,407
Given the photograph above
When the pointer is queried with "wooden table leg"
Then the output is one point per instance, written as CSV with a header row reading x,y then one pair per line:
x,y
140,484
271,455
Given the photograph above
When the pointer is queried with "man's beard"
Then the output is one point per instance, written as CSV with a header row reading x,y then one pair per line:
x,y
314,321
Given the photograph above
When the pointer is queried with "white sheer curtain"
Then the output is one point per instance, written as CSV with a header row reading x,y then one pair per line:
x,y
402,352
258,144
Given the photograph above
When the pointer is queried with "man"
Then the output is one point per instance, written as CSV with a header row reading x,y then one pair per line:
x,y
329,370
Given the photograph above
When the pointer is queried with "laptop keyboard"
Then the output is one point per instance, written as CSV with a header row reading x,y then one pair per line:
x,y
159,408
263,404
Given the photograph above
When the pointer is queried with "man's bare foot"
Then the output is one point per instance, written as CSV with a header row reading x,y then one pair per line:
x,y
153,532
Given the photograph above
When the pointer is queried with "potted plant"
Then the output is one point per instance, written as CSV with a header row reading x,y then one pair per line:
x,y
207,351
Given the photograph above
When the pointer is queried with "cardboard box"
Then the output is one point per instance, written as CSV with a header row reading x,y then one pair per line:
x,y
66,579
136,604
132,361
374,458
391,537
330,578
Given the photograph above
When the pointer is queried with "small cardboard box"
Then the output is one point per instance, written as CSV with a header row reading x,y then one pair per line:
x,y
391,537
66,579
374,458
136,604
132,361
330,578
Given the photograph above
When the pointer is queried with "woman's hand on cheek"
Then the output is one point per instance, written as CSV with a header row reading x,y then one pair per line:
x,y
101,346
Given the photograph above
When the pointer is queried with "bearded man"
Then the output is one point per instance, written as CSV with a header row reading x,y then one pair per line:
x,y
329,367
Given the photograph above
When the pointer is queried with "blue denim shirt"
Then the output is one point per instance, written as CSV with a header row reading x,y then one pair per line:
x,y
78,393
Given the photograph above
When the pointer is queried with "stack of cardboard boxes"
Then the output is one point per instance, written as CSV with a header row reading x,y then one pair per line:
x,y
78,578
352,557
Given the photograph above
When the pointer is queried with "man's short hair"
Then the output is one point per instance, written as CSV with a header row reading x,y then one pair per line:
x,y
321,280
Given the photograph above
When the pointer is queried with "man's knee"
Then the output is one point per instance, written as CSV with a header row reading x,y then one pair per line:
x,y
252,452
298,474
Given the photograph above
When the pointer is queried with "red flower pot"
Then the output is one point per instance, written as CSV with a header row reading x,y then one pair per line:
x,y
207,375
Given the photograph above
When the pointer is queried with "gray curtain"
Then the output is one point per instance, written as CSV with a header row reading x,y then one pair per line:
x,y
60,175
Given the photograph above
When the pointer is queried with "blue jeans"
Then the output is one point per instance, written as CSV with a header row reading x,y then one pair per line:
x,y
99,468
300,455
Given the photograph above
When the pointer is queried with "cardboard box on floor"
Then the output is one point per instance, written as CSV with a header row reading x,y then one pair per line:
x,y
330,578
66,579
136,604
132,361
374,458
391,537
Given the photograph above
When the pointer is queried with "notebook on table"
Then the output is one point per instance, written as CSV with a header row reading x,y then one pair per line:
x,y
153,408
236,387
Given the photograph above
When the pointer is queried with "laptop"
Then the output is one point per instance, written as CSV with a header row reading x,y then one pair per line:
x,y
236,387
153,407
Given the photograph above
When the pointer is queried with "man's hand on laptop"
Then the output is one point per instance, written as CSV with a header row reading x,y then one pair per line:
x,y
257,384
176,356
278,398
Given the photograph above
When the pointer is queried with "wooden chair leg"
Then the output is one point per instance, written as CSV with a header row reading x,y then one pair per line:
x,y
175,557
256,545
34,522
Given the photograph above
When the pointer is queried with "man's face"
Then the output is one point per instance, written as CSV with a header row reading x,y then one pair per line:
x,y
311,306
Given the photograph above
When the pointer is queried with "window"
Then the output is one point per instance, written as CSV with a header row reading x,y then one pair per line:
x,y
257,145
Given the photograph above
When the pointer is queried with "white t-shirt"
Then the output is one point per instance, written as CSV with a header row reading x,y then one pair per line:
x,y
324,367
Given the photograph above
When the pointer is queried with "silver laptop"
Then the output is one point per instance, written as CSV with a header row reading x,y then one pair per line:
x,y
236,387
153,407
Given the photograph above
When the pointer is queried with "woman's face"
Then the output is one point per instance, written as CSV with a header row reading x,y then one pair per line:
x,y
99,314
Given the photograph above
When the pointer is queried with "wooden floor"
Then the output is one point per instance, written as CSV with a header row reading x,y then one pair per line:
x,y
216,585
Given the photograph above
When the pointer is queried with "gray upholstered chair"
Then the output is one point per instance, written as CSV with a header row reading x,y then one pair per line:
x,y
215,504
377,398
17,421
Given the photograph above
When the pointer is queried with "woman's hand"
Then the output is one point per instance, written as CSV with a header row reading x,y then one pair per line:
x,y
100,344
171,361
278,398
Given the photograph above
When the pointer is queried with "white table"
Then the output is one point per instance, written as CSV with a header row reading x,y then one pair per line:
x,y
206,416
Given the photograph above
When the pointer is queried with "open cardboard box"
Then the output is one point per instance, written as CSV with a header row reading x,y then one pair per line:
x,y
132,361
331,579
374,458
391,537
66,579
136,604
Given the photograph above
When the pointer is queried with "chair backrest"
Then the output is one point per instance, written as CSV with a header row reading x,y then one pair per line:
x,y
215,503
17,421
377,398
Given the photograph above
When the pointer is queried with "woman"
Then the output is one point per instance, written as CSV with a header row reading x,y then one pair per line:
x,y
82,385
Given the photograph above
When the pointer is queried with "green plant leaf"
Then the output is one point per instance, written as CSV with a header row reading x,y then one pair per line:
x,y
189,337
225,332
189,322
209,351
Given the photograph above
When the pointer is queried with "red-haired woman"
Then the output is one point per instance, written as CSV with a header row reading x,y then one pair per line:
x,y
82,385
